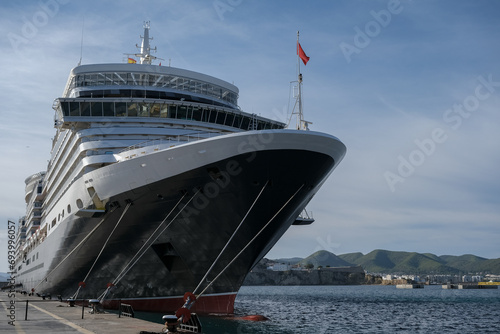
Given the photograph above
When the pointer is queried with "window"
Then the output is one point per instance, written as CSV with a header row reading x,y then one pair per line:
x,y
143,110
132,109
65,108
181,112
85,108
74,109
164,110
155,110
172,111
121,109
189,112
79,203
221,117
246,123
229,119
213,116
197,113
108,109
96,108
237,121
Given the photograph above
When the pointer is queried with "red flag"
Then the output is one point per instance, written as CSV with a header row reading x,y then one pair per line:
x,y
302,54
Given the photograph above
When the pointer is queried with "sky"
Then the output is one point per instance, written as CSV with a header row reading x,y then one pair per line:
x,y
412,88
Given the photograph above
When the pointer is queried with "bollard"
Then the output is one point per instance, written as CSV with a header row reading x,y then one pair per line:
x,y
26,314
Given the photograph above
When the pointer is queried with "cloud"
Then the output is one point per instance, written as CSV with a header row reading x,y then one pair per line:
x,y
393,93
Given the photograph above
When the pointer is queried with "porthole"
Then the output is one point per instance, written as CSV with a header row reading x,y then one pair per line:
x,y
69,209
79,203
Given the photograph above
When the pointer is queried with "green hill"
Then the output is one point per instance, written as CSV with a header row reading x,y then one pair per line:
x,y
325,259
402,262
463,262
472,263
384,261
351,257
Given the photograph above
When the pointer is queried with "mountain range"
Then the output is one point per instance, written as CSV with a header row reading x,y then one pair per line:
x,y
384,261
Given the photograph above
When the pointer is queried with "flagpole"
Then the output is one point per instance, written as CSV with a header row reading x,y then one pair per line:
x,y
298,56
300,116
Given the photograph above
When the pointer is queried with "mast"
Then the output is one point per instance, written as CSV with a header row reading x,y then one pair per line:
x,y
302,124
145,49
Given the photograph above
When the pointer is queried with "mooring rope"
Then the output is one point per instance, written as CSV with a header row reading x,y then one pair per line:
x,y
231,238
146,245
102,248
248,244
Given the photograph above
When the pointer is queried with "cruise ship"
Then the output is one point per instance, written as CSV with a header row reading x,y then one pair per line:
x,y
158,184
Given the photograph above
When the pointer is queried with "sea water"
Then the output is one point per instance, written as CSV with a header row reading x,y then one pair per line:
x,y
361,309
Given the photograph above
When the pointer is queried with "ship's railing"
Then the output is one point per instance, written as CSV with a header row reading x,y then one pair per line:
x,y
171,141
126,310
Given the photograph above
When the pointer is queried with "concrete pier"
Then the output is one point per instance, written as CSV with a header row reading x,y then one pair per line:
x,y
410,286
53,316
463,286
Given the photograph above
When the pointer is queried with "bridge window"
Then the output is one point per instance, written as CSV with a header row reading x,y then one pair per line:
x,y
85,108
164,110
132,109
108,109
121,109
143,109
96,108
155,110
159,109
229,119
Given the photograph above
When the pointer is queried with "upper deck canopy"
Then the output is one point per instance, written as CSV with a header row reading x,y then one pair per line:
x,y
88,77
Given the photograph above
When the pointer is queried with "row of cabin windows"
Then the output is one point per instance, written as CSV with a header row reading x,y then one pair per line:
x,y
35,257
164,110
59,217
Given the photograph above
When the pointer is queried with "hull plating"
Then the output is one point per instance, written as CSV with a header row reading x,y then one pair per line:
x,y
179,225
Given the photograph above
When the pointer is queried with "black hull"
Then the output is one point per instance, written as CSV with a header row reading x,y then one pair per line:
x,y
216,198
